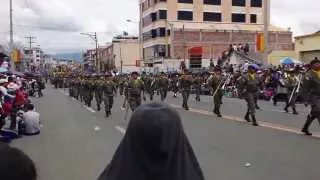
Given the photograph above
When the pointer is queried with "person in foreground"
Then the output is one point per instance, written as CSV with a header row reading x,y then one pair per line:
x,y
15,165
154,147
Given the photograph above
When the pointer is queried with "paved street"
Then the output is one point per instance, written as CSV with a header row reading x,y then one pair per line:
x,y
77,142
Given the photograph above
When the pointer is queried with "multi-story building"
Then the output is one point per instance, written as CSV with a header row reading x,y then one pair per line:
x,y
122,54
33,58
89,59
179,30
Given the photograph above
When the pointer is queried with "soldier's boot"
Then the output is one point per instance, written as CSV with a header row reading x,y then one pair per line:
x,y
257,107
186,107
254,120
98,107
151,97
247,118
218,113
286,109
295,111
306,126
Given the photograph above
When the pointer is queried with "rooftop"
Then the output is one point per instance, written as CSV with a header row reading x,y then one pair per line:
x,y
308,35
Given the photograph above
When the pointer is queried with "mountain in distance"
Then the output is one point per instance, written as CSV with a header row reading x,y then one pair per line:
x,y
77,56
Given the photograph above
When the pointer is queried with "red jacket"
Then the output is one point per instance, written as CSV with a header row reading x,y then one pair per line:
x,y
20,98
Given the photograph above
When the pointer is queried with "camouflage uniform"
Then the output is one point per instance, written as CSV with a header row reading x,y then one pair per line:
x,y
311,92
98,92
134,89
185,86
109,89
163,86
197,85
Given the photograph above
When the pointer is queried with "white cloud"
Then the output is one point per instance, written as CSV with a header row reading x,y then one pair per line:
x,y
58,23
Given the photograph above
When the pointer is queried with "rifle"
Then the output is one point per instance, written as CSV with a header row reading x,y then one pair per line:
x,y
296,89
223,86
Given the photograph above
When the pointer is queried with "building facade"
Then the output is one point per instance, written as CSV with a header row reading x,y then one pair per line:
x,y
121,55
171,30
33,58
308,47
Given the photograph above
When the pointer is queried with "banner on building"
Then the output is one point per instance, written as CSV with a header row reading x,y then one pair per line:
x,y
260,42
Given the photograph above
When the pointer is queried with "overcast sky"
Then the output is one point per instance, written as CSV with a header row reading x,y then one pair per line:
x,y
57,23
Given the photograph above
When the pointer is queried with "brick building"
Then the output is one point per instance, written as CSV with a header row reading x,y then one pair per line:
x,y
171,29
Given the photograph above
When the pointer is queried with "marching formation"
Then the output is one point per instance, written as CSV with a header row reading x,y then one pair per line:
x,y
291,84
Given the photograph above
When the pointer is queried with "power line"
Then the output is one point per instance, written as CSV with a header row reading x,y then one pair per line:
x,y
30,42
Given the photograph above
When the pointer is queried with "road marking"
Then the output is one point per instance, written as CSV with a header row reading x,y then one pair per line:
x,y
89,109
121,129
261,123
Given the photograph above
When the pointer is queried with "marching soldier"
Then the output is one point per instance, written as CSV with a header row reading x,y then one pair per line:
x,y
216,85
163,86
134,89
291,83
150,84
197,85
311,91
250,85
109,90
175,85
98,91
185,87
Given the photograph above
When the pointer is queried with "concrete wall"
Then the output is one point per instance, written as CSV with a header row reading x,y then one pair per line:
x,y
308,47
275,57
128,52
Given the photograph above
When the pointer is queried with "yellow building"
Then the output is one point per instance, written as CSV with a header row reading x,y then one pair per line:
x,y
275,56
308,46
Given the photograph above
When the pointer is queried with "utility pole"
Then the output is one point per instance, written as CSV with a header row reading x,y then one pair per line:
x,y
11,35
266,7
30,42
94,37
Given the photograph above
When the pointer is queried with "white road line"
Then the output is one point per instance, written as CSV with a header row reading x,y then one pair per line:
x,y
261,123
121,129
89,109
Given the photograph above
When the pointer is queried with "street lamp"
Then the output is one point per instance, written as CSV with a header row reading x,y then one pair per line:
x,y
140,39
94,37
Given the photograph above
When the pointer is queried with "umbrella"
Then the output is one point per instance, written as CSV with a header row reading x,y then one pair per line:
x,y
287,61
2,70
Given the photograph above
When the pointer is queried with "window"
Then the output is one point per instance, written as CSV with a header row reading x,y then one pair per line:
x,y
212,2
162,32
153,17
162,14
238,2
239,18
153,33
253,18
256,3
185,15
185,1
211,16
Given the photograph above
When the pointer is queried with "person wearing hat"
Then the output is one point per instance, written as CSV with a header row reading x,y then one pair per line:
x,y
134,90
291,82
185,87
250,85
163,85
197,82
98,90
216,84
109,90
311,92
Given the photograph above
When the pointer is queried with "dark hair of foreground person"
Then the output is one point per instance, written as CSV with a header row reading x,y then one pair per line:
x,y
15,164
154,147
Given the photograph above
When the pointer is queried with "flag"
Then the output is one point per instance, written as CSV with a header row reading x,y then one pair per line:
x,y
260,42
